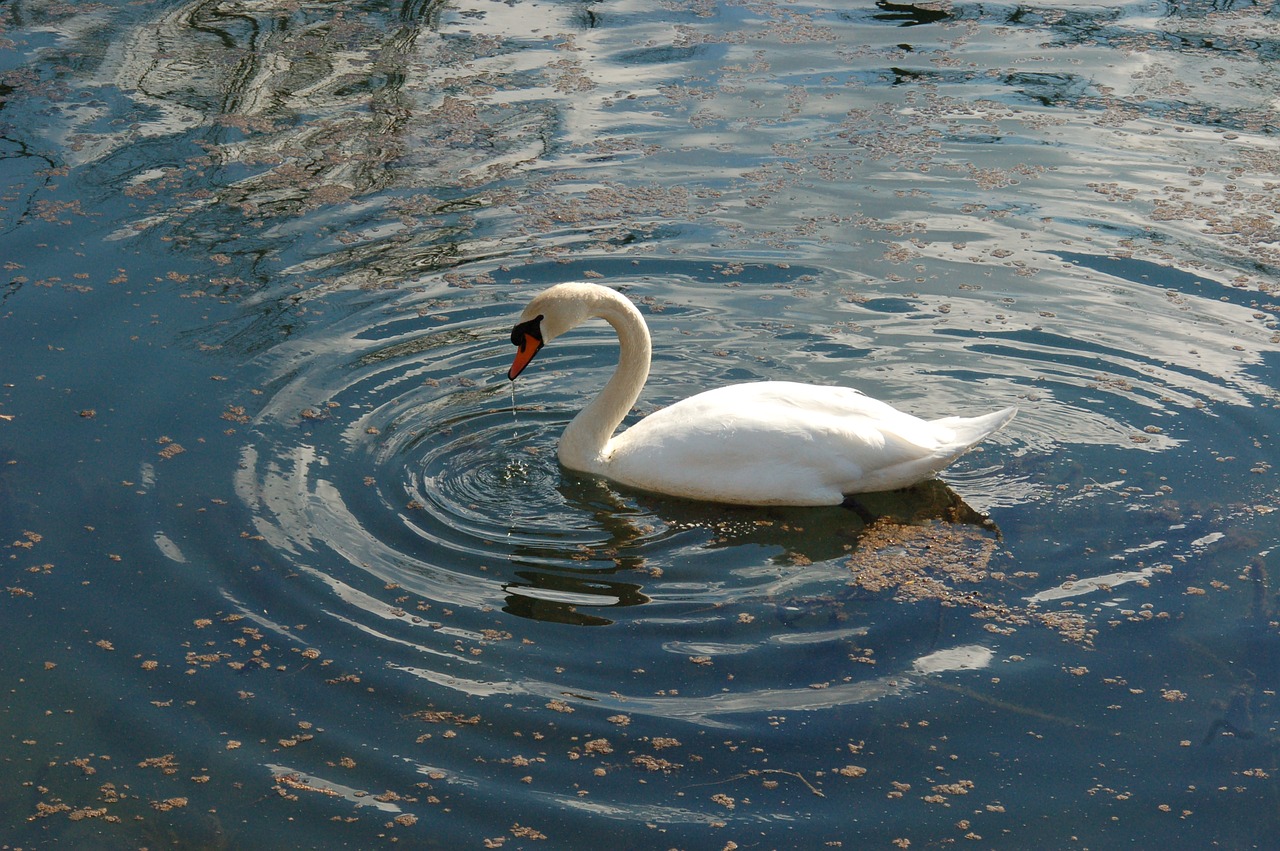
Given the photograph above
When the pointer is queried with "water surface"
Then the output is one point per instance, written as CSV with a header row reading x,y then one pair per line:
x,y
288,562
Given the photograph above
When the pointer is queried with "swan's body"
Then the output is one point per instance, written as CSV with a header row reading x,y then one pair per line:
x,y
763,443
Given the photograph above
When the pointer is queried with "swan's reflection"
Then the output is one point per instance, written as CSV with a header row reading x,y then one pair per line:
x,y
558,597
548,588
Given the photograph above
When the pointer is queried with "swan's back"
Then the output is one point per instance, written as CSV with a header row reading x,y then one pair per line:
x,y
782,443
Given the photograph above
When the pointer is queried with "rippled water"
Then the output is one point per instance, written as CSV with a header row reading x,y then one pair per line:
x,y
289,562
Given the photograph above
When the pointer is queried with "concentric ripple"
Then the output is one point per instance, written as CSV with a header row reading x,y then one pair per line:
x,y
393,450
395,467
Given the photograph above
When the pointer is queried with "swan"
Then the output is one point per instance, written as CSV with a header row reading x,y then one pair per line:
x,y
760,443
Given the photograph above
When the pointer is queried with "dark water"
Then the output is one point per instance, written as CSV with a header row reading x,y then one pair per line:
x,y
287,565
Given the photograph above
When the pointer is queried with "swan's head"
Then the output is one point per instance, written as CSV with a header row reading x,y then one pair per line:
x,y
551,313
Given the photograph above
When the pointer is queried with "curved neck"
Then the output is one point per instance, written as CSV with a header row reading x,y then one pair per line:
x,y
585,440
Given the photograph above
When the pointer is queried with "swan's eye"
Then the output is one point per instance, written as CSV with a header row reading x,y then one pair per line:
x,y
532,328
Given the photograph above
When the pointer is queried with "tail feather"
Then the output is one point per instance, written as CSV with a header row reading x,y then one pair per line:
x,y
971,430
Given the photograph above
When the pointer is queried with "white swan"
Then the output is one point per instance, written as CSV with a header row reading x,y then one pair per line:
x,y
764,443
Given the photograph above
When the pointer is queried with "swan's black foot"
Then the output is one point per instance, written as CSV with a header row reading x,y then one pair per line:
x,y
851,503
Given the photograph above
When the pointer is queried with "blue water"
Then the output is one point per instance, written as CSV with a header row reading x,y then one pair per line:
x,y
289,564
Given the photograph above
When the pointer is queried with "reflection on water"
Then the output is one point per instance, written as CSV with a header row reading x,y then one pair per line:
x,y
287,558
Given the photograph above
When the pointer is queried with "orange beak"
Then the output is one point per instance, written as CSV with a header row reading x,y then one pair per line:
x,y
529,347
528,337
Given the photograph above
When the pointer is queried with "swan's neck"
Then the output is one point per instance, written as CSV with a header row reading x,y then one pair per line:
x,y
584,445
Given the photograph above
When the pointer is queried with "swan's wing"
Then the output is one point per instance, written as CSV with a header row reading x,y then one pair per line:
x,y
779,442
851,409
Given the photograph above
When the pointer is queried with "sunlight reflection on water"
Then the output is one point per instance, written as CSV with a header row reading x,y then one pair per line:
x,y
290,559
